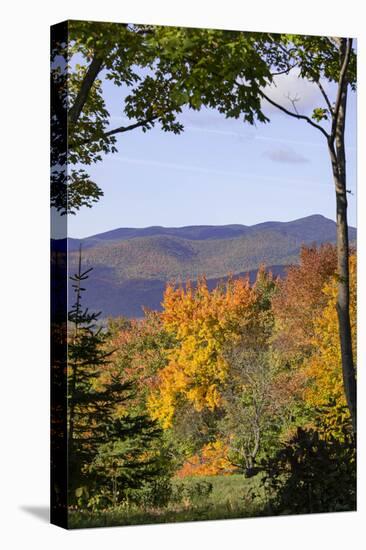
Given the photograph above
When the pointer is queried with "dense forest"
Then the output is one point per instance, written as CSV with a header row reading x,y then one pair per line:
x,y
227,403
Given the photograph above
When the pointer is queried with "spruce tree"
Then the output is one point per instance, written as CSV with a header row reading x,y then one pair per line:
x,y
109,452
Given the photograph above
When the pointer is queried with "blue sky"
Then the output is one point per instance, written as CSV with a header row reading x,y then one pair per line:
x,y
219,171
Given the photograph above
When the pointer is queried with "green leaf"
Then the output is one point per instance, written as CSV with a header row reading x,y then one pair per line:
x,y
319,114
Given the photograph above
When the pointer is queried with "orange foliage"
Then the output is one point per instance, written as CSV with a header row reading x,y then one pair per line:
x,y
299,300
210,461
201,321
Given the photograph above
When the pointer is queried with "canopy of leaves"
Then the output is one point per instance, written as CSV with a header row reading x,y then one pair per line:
x,y
201,321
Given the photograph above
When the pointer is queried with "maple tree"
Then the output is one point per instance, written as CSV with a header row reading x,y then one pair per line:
x,y
138,352
201,321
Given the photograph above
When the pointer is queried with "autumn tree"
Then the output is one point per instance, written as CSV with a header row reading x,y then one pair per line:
x,y
306,337
219,383
201,321
297,304
254,400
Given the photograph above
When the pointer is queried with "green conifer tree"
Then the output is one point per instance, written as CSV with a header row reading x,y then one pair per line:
x,y
109,452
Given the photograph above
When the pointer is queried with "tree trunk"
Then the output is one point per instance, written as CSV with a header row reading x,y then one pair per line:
x,y
338,159
343,301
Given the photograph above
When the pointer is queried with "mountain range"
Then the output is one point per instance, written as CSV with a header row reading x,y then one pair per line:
x,y
131,266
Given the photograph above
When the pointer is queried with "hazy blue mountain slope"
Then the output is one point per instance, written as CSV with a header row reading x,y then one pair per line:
x,y
132,266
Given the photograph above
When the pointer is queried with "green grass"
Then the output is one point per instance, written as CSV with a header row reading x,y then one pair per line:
x,y
231,497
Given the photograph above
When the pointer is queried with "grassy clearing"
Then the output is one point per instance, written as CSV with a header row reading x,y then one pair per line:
x,y
231,497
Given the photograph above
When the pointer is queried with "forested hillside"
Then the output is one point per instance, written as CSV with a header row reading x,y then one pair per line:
x,y
132,266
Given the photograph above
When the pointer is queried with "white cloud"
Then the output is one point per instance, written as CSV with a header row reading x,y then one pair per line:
x,y
286,155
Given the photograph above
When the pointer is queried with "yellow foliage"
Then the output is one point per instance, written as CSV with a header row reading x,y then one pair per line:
x,y
201,322
324,368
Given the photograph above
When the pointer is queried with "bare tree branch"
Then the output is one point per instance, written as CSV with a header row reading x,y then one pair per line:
x,y
293,101
299,117
334,40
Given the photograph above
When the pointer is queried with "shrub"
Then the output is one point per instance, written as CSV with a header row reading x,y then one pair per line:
x,y
312,473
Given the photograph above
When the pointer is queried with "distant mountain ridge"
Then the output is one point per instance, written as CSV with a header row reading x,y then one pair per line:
x,y
133,265
204,232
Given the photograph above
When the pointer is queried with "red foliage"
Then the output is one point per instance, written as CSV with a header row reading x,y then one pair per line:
x,y
299,299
